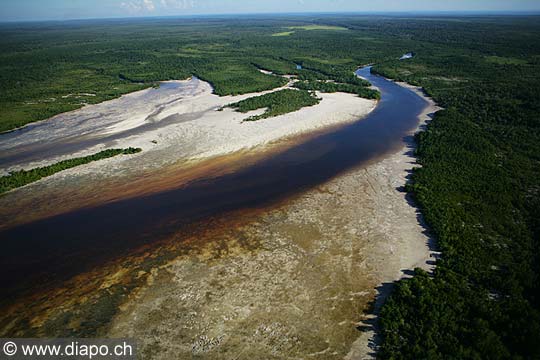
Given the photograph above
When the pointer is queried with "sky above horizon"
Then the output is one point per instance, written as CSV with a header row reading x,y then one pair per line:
x,y
21,10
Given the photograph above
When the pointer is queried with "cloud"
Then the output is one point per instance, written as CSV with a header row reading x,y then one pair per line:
x,y
178,4
156,7
149,5
137,6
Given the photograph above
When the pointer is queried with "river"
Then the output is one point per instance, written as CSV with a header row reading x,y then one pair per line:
x,y
59,247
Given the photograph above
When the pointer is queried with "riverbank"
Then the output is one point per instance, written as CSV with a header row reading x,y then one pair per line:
x,y
413,247
316,228
298,280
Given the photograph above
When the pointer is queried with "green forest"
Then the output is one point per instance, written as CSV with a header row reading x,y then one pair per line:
x,y
478,177
478,189
24,177
276,103
50,68
332,87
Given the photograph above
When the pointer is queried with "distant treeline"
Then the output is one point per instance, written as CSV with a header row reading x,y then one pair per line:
x,y
23,177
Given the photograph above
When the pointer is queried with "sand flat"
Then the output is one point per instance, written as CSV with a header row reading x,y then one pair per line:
x,y
180,120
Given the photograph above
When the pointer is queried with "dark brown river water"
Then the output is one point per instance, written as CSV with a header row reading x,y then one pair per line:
x,y
59,247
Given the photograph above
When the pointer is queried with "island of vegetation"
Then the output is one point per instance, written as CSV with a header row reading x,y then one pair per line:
x,y
24,177
331,87
276,103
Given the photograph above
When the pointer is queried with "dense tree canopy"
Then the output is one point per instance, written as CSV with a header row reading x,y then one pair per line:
x,y
478,188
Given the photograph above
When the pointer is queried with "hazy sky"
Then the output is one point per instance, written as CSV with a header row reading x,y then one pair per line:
x,y
77,9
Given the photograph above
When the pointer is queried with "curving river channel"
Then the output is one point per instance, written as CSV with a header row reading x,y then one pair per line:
x,y
62,246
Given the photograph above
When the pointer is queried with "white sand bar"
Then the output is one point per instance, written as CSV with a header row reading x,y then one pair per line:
x,y
180,120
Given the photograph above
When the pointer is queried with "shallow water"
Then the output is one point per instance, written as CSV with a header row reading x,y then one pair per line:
x,y
59,247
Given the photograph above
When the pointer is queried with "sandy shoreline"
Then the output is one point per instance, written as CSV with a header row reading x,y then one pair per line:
x,y
180,121
307,275
420,249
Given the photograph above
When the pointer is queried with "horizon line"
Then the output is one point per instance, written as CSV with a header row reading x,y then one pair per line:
x,y
283,14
